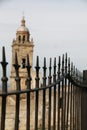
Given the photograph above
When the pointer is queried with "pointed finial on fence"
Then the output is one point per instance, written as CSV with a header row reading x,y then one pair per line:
x,y
45,62
16,65
4,65
69,65
72,69
66,63
44,73
76,74
54,64
3,62
16,59
50,68
37,61
3,56
17,78
28,61
28,65
59,64
63,64
54,75
37,72
29,73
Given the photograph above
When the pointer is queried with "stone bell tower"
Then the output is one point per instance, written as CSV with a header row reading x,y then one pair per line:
x,y
22,45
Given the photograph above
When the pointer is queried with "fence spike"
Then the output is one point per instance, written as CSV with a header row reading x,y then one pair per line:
x,y
45,62
72,69
37,72
28,66
69,65
50,68
59,64
54,75
66,63
17,66
4,89
4,65
44,73
76,74
37,61
16,59
3,56
28,61
63,64
3,62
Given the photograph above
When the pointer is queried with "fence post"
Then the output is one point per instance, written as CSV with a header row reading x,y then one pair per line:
x,y
84,103
4,90
17,105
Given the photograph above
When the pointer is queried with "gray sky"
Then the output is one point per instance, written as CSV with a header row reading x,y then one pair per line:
x,y
56,27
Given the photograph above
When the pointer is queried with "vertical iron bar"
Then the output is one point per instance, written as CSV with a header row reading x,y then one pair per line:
x,y
74,101
71,124
68,94
58,120
3,113
44,94
4,65
54,101
62,114
17,112
74,107
37,93
4,89
65,93
49,82
17,79
28,94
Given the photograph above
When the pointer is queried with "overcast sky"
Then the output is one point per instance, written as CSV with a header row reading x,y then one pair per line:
x,y
56,27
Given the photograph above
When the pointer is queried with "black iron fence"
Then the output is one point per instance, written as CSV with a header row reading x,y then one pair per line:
x,y
59,103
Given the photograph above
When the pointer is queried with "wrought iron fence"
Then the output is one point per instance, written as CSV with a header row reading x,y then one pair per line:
x,y
58,102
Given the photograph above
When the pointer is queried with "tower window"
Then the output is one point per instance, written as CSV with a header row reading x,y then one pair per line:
x,y
19,39
23,39
23,63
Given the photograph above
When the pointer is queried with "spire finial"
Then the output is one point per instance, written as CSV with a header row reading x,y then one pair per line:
x,y
23,20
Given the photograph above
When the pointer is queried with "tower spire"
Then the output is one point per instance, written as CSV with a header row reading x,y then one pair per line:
x,y
23,20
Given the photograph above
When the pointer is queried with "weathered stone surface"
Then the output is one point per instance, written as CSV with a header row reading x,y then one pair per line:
x,y
10,112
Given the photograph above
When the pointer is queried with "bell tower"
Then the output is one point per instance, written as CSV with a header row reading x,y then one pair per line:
x,y
22,45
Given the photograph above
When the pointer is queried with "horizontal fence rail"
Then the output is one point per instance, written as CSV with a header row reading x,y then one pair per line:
x,y
54,104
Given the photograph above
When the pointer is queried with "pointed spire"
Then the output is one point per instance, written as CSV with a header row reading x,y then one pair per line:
x,y
23,21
